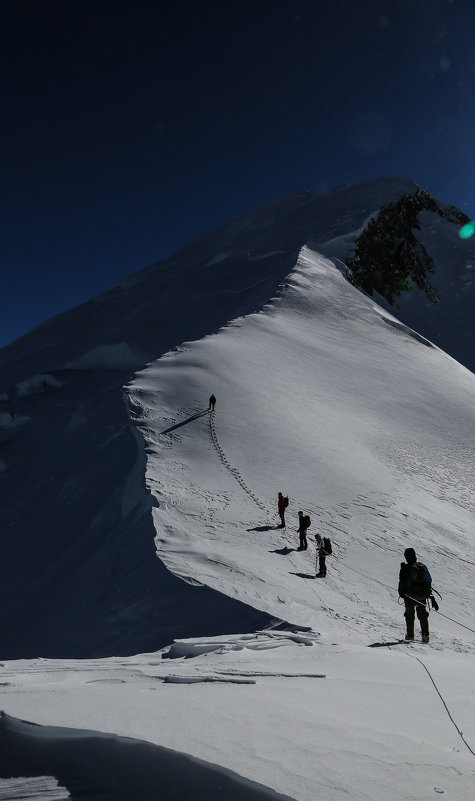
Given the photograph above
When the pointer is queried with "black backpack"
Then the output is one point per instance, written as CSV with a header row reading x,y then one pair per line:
x,y
415,580
286,502
306,521
327,545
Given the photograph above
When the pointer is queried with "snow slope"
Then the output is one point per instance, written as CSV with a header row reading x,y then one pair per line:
x,y
322,394
71,466
362,422
72,492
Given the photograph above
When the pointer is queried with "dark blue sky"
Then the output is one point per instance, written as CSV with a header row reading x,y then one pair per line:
x,y
129,128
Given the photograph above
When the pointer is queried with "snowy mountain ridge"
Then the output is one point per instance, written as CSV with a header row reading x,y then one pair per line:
x,y
162,603
240,266
352,456
94,487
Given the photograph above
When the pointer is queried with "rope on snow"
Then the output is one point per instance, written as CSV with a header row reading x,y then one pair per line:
x,y
444,703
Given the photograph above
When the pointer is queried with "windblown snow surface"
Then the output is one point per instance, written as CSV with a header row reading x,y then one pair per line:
x,y
285,686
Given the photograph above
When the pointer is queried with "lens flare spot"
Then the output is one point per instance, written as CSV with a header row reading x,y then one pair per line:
x,y
467,230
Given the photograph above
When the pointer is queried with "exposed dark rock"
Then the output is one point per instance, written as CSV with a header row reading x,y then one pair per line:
x,y
388,258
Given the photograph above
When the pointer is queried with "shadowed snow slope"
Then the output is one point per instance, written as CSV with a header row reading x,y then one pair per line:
x,y
119,768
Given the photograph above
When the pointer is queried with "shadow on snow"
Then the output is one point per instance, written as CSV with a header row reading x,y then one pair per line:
x,y
185,422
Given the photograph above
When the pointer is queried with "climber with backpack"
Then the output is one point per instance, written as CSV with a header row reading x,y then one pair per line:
x,y
304,523
282,503
415,587
324,549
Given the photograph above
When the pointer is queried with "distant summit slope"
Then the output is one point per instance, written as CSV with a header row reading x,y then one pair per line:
x,y
234,270
388,258
411,253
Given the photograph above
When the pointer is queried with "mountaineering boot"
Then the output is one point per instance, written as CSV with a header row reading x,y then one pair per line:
x,y
425,638
320,575
409,637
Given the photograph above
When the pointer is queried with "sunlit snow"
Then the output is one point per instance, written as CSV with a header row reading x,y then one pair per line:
x,y
150,602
